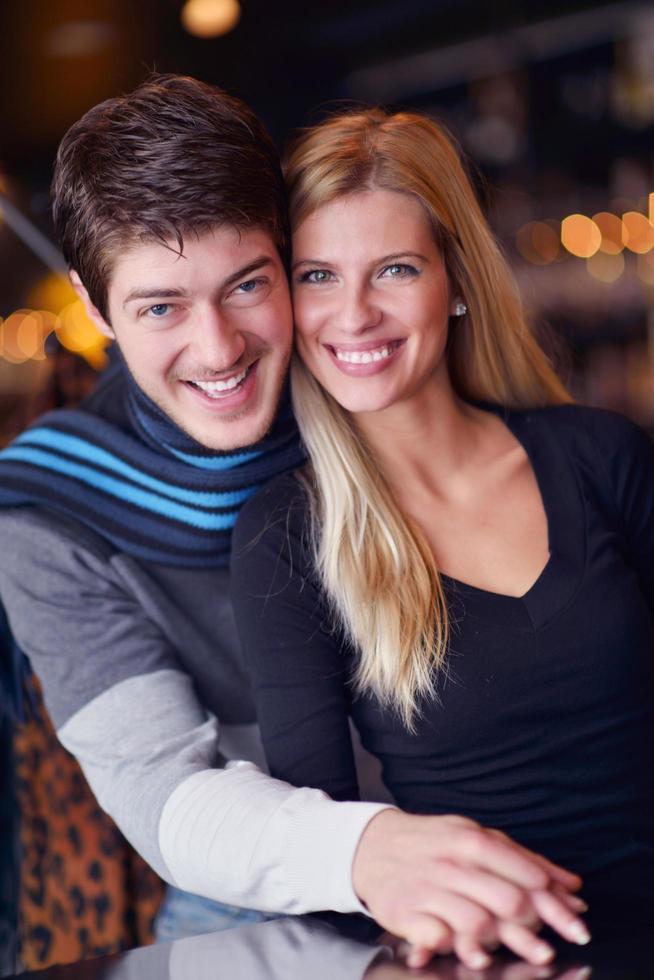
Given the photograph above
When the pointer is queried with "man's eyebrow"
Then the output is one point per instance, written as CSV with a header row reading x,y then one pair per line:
x,y
246,270
393,257
153,292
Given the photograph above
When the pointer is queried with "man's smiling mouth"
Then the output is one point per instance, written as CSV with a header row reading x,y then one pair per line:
x,y
223,388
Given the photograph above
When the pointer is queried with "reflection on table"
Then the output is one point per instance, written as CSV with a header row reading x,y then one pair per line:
x,y
310,949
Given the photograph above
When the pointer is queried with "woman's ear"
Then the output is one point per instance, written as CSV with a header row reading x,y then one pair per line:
x,y
91,310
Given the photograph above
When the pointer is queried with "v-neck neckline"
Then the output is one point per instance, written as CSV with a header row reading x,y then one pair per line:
x,y
566,530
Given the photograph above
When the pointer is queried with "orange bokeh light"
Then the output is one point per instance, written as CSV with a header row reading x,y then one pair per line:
x,y
580,235
611,228
638,233
210,18
538,242
605,267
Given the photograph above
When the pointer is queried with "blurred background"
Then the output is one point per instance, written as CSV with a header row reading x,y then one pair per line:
x,y
553,103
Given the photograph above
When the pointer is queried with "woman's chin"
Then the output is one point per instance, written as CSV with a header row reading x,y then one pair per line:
x,y
357,403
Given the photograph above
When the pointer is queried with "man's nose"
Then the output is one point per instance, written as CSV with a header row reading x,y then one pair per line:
x,y
217,342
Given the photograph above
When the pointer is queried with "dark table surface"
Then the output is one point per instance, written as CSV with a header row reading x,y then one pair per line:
x,y
310,949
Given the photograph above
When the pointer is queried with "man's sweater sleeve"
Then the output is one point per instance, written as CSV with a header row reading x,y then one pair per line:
x,y
124,706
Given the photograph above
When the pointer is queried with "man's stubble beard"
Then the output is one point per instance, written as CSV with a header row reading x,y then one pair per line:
x,y
227,446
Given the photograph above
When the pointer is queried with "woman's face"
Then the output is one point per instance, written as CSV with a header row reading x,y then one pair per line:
x,y
372,299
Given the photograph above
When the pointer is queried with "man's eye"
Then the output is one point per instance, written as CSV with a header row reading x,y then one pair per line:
x,y
399,270
317,276
249,286
158,310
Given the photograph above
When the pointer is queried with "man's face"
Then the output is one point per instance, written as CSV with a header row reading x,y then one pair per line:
x,y
206,335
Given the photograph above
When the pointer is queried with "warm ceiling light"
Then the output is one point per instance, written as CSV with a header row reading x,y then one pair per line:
x,y
637,232
538,242
580,235
645,268
210,18
611,227
605,267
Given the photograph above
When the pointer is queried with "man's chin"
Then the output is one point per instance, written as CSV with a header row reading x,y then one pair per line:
x,y
225,433
237,431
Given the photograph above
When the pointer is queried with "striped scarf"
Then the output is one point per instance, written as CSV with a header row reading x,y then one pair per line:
x,y
121,467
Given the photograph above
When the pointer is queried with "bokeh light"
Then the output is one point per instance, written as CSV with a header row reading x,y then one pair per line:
x,y
22,336
611,228
210,18
606,267
580,235
645,268
538,242
637,232
77,333
52,292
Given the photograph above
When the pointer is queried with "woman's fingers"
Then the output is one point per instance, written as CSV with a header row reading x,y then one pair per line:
x,y
574,902
554,913
568,879
426,936
525,944
471,953
500,897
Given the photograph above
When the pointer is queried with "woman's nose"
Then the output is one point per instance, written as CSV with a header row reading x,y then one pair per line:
x,y
360,311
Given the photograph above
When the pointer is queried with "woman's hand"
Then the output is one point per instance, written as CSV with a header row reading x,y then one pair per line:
x,y
445,883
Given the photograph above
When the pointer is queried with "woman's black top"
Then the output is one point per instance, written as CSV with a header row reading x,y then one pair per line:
x,y
544,722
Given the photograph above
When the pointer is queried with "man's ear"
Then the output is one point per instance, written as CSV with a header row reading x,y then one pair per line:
x,y
91,311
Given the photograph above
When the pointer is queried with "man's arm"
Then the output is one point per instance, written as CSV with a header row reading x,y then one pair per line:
x,y
123,705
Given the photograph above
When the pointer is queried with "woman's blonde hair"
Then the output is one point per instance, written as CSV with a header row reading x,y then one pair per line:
x,y
375,565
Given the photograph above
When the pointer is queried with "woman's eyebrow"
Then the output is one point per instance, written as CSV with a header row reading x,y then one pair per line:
x,y
394,256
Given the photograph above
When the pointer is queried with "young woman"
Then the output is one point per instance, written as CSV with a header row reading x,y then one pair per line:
x,y
466,566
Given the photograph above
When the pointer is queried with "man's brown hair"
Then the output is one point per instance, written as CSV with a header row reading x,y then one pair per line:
x,y
174,157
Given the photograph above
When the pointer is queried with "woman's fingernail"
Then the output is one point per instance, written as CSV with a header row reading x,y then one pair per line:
x,y
580,933
543,953
479,960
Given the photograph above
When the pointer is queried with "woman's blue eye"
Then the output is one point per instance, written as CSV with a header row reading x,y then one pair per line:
x,y
399,270
317,276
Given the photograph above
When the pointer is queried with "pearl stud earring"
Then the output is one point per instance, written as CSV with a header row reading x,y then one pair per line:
x,y
460,308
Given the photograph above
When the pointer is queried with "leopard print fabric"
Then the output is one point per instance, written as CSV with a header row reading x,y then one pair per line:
x,y
83,890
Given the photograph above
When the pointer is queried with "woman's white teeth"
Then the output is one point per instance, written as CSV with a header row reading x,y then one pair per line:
x,y
363,356
217,388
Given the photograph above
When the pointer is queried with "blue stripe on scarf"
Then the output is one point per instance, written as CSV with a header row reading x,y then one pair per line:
x,y
214,462
124,491
73,446
224,461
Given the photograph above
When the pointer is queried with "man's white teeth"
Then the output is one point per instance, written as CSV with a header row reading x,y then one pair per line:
x,y
217,388
363,356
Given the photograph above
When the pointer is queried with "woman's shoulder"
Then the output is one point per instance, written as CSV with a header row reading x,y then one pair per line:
x,y
607,431
601,442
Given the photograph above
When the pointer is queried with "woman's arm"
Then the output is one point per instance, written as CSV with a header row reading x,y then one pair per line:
x,y
626,454
299,668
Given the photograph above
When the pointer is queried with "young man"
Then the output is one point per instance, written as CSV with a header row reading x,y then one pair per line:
x,y
115,531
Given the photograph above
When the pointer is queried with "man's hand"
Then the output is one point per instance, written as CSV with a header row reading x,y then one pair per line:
x,y
445,883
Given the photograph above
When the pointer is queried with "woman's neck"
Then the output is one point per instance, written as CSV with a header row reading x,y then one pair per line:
x,y
430,438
